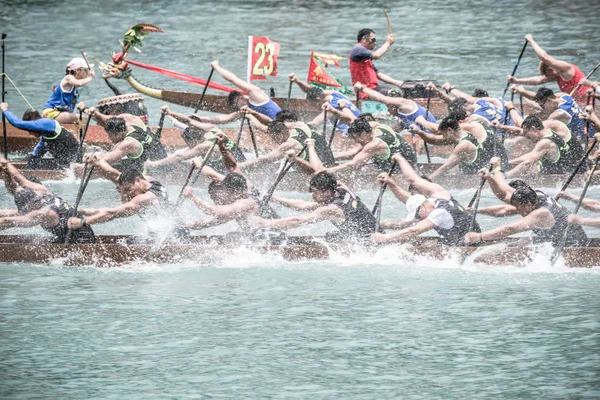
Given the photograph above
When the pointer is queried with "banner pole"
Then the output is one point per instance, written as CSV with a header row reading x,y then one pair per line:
x,y
249,58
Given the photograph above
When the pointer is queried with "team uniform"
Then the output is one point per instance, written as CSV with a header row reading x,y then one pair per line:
x,y
144,137
60,142
336,97
268,108
570,154
395,145
484,151
568,86
84,234
362,69
575,236
509,120
451,221
406,120
359,223
488,111
216,161
301,132
60,101
576,122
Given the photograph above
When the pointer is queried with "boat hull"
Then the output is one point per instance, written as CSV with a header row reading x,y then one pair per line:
x,y
114,251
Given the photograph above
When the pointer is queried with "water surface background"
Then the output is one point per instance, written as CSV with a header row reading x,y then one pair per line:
x,y
255,327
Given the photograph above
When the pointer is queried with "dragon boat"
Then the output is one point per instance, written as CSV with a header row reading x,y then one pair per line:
x,y
115,250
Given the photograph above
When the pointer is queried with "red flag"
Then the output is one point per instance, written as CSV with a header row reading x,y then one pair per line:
x,y
262,57
319,75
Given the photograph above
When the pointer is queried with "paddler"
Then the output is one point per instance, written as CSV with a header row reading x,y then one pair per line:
x,y
377,142
568,76
199,138
132,141
290,134
474,145
60,142
362,68
332,203
256,99
406,110
344,108
477,108
557,106
433,208
556,151
542,215
38,206
147,199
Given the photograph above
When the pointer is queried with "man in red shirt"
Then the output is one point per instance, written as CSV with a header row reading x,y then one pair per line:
x,y
362,68
566,75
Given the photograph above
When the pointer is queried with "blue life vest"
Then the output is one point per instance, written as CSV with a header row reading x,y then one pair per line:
x,y
335,99
487,110
270,109
61,100
407,119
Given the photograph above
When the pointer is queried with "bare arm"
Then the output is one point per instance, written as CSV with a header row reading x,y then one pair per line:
x,y
588,204
72,81
226,212
404,105
254,92
502,210
275,154
324,213
405,234
34,218
532,80
377,54
452,161
388,79
565,69
360,159
216,119
425,187
300,205
540,218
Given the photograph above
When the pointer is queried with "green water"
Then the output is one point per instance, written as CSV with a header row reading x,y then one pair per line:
x,y
366,327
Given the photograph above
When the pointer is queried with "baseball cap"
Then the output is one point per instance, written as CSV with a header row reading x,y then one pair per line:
x,y
77,63
412,205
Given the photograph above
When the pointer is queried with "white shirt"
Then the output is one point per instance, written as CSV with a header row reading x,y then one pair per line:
x,y
441,219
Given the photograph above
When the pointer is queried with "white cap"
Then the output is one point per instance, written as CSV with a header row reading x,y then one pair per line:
x,y
77,63
412,205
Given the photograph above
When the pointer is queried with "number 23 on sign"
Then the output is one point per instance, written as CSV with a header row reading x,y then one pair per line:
x,y
262,57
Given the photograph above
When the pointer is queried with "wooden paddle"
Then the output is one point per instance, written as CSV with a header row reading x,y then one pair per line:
x,y
514,71
84,55
3,93
82,139
84,182
389,24
253,138
587,126
472,222
583,159
558,250
335,124
427,116
239,136
287,101
377,207
587,77
204,90
189,181
287,165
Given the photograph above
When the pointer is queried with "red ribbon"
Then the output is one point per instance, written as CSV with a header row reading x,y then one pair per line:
x,y
183,77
